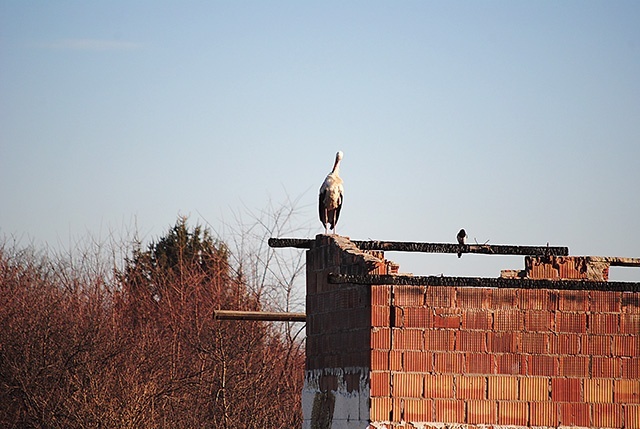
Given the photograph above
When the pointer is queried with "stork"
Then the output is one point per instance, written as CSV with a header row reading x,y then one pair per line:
x,y
330,198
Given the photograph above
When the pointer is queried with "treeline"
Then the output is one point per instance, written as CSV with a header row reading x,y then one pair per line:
x,y
138,346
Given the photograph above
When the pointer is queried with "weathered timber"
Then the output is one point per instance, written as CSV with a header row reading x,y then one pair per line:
x,y
409,280
486,249
259,315
298,243
409,246
615,261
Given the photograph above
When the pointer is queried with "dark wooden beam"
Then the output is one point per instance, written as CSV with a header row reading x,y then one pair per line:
x,y
259,315
409,246
486,249
409,280
298,243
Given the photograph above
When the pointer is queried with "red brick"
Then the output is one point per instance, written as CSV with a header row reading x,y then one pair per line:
x,y
380,383
397,409
631,367
503,342
626,345
573,300
565,344
328,382
632,416
606,367
543,414
440,339
574,414
438,386
479,363
597,345
604,323
380,295
630,323
571,322
449,411
606,415
481,319
539,269
408,385
473,298
418,410
380,316
446,319
441,296
565,390
536,321
449,363
418,361
396,316
542,365
471,387
630,302
534,389
626,391
360,317
349,298
504,298
395,360
513,413
598,390
418,317
471,341
537,299
381,338
604,301
408,339
482,412
379,360
503,387
508,320
574,366
535,342
405,296
380,409
510,363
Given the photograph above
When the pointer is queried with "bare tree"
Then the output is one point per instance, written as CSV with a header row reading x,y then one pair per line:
x,y
87,340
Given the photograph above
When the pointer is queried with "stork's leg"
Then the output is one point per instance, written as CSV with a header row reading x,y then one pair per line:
x,y
326,224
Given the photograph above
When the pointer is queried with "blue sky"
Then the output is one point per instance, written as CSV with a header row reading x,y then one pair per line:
x,y
519,121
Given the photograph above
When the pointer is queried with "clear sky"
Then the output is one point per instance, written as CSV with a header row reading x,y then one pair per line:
x,y
519,121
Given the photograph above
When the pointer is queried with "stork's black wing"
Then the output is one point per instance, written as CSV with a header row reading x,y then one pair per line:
x,y
337,213
321,209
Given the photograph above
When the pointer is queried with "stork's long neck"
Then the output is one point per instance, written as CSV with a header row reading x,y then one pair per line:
x,y
336,166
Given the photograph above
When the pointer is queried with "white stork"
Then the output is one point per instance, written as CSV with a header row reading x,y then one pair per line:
x,y
330,201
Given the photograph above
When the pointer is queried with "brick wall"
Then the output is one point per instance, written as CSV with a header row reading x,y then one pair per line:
x,y
339,320
417,356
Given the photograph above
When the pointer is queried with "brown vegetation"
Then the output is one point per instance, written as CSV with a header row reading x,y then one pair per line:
x,y
83,347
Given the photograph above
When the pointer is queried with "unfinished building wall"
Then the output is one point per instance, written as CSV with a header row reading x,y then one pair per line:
x,y
386,356
513,357
339,320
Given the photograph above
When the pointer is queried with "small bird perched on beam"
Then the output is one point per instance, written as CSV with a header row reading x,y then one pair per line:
x,y
330,198
462,234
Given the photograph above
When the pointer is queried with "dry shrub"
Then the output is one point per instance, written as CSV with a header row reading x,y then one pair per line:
x,y
82,347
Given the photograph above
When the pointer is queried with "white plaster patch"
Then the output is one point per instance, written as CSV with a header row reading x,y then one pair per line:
x,y
350,410
440,425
